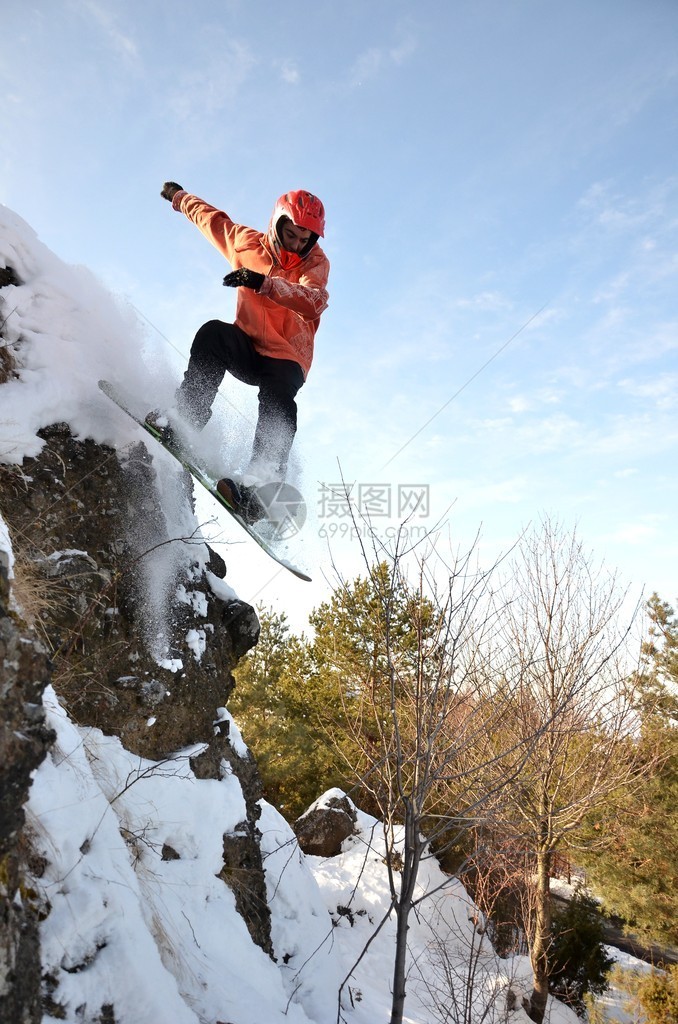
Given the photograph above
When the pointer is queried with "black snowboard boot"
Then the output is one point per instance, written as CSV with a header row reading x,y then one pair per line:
x,y
243,500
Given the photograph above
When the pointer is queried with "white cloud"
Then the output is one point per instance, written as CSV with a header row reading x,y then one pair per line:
x,y
213,81
106,20
495,424
519,404
367,66
553,433
610,292
372,62
606,206
484,301
289,72
399,54
631,436
500,492
529,403
639,532
662,390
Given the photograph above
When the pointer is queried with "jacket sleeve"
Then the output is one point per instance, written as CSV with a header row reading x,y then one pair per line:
x,y
309,298
216,226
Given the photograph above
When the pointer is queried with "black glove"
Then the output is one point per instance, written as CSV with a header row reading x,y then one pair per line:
x,y
169,190
245,278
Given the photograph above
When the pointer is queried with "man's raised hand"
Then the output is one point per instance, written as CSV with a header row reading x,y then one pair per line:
x,y
169,190
244,278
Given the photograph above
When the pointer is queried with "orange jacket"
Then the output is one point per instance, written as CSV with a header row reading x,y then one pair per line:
x,y
283,316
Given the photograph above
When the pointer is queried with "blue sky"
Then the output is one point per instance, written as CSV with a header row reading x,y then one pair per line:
x,y
479,162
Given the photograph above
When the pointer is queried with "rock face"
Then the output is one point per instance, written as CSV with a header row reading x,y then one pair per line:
x,y
24,740
129,611
126,599
322,829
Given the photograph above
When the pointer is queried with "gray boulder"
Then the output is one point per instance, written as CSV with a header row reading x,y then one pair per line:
x,y
322,829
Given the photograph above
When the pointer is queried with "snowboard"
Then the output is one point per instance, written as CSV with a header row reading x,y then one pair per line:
x,y
128,403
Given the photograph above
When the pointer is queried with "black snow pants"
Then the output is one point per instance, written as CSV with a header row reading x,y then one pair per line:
x,y
219,348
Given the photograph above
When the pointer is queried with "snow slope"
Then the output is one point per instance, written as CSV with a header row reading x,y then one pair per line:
x,y
138,919
135,916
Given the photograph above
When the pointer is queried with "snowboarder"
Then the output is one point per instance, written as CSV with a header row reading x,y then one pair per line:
x,y
281,276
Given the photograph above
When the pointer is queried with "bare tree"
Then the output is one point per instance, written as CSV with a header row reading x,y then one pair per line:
x,y
465,980
563,655
417,716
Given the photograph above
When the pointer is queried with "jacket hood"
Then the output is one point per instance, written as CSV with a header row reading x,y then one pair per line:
x,y
284,257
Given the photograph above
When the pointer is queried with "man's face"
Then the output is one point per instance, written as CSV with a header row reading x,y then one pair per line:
x,y
292,238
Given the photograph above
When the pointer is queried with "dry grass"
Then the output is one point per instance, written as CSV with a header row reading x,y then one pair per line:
x,y
35,599
39,601
7,363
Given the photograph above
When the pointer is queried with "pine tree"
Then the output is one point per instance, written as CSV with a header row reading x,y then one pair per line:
x,y
653,997
662,649
279,701
636,871
293,694
368,635
578,962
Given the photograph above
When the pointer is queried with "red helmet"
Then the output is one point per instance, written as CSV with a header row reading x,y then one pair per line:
x,y
304,209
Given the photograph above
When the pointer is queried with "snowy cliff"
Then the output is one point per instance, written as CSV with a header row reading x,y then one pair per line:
x,y
143,879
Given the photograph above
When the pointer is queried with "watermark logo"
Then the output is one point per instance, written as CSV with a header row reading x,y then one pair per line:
x,y
285,509
374,501
364,509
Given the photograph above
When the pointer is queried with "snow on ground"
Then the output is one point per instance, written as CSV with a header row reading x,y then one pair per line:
x,y
139,919
66,331
612,1003
6,553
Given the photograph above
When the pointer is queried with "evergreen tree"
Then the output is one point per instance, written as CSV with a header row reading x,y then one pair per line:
x,y
368,636
292,694
653,997
278,701
636,871
578,962
662,650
